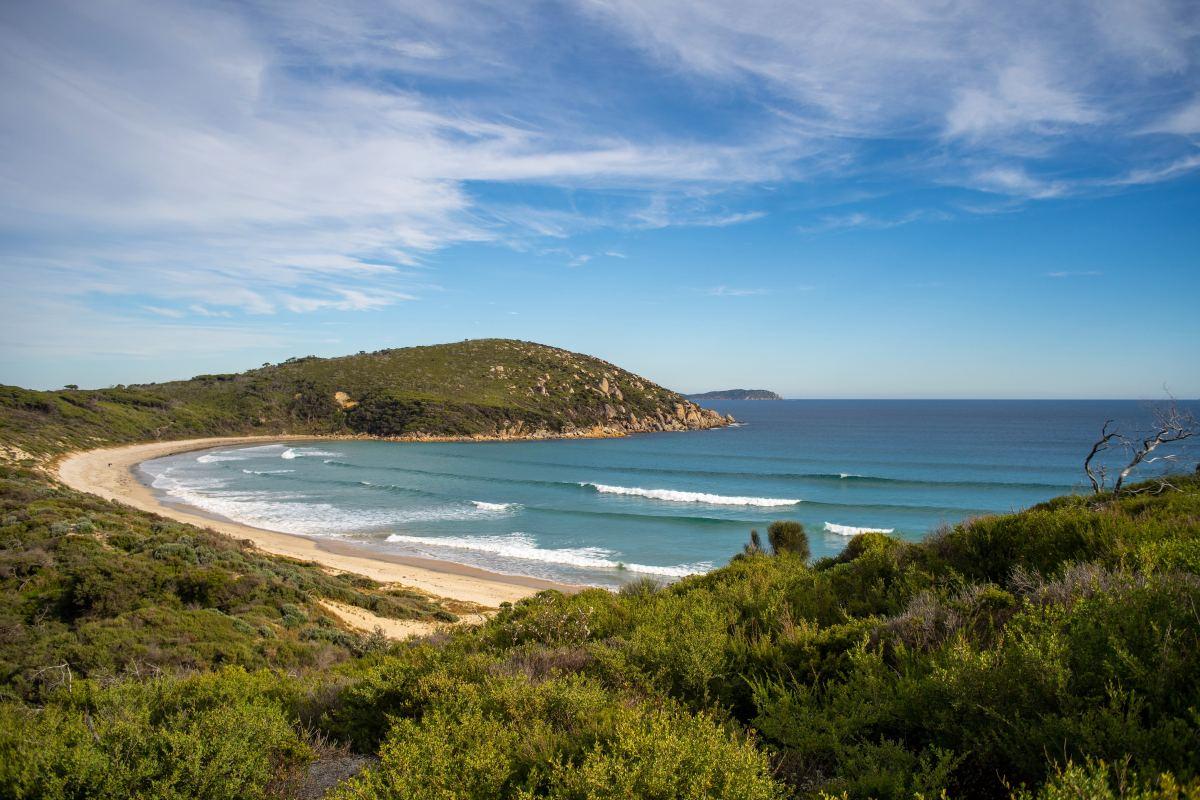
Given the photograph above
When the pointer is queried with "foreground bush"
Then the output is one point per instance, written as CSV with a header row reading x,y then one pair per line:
x,y
223,736
1016,655
563,739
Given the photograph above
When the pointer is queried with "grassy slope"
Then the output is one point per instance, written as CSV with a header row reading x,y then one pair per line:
x,y
109,591
1014,650
1054,649
487,386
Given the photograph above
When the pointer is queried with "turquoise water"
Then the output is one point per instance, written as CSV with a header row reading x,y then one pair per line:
x,y
664,505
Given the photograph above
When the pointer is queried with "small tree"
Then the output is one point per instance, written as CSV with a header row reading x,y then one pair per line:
x,y
1170,425
787,536
754,546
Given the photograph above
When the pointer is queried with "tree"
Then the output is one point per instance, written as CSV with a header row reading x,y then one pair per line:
x,y
1170,425
754,546
309,403
788,536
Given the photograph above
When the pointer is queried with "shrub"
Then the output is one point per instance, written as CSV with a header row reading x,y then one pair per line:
x,y
786,536
225,736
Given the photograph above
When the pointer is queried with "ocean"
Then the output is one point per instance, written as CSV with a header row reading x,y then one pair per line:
x,y
606,511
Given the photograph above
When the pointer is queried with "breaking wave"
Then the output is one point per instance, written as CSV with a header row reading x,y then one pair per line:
x,y
850,530
212,458
293,512
673,496
307,452
521,546
485,506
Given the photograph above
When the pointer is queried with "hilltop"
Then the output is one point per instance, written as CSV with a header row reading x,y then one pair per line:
x,y
736,394
485,388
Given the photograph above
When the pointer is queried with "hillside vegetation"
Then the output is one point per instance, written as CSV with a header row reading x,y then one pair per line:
x,y
485,387
1051,653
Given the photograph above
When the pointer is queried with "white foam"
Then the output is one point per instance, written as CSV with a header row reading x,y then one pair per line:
x,y
844,475
267,471
308,452
522,546
212,458
483,506
288,513
850,530
674,496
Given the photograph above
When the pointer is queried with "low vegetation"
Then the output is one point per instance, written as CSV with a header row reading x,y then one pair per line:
x,y
1046,654
1042,655
489,387
93,589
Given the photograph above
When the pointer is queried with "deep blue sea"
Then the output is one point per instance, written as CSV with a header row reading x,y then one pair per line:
x,y
665,505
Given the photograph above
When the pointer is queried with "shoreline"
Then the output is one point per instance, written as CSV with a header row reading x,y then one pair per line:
x,y
110,473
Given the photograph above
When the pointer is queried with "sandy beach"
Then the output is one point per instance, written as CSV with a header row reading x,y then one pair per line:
x,y
108,473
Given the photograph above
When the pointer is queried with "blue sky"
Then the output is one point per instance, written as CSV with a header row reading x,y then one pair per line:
x,y
900,199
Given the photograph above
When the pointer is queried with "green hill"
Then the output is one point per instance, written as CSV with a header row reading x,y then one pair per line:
x,y
485,387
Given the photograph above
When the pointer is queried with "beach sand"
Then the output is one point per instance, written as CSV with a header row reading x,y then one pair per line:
x,y
109,473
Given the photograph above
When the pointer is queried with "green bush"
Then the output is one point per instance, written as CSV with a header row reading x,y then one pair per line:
x,y
786,536
222,736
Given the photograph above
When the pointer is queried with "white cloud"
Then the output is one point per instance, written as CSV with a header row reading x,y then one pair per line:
x,y
223,159
1183,120
172,313
730,291
1087,273
1016,181
996,80
1022,100
856,220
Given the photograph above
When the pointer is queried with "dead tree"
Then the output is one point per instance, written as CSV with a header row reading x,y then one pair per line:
x,y
1099,476
1170,425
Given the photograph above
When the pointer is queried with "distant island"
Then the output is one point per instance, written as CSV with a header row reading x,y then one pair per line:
x,y
736,394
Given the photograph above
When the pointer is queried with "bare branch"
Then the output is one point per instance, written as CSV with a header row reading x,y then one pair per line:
x,y
1171,425
1102,444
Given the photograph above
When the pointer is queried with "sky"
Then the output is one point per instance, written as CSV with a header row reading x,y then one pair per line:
x,y
950,199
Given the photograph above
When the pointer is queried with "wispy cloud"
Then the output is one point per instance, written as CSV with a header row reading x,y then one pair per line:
x,y
171,313
208,160
731,291
1086,273
1080,75
856,220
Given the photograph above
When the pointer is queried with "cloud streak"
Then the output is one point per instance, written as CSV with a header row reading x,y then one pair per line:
x,y
206,162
